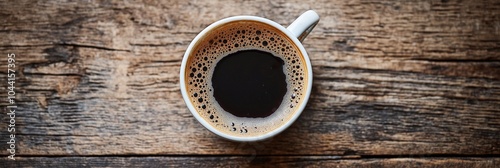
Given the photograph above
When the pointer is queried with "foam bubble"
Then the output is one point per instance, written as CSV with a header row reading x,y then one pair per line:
x,y
237,36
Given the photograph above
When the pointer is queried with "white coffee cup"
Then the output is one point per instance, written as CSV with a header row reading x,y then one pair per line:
x,y
296,31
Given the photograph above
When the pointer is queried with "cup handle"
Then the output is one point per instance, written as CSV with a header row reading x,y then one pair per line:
x,y
304,24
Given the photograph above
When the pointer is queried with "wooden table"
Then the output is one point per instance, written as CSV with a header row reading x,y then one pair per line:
x,y
396,83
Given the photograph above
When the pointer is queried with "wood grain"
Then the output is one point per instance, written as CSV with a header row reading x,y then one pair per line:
x,y
248,161
390,78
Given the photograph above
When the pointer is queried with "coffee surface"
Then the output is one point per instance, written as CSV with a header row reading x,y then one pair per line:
x,y
236,105
249,83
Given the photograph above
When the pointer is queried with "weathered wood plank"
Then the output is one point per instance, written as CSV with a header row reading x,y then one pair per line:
x,y
391,78
249,161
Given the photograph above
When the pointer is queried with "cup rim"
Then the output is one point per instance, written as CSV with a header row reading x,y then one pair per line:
x,y
216,24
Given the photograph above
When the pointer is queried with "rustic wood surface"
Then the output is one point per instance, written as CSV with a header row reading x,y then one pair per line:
x,y
396,83
240,161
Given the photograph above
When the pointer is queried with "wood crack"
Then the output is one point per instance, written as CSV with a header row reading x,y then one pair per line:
x,y
92,46
457,60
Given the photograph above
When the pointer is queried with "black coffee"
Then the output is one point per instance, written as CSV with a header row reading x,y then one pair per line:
x,y
245,78
249,83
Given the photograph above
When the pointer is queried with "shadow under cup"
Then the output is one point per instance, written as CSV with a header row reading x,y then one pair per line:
x,y
229,38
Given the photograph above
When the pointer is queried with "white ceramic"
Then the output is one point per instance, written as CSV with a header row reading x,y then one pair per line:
x,y
297,31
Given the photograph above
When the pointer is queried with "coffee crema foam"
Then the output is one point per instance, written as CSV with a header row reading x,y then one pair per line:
x,y
230,38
